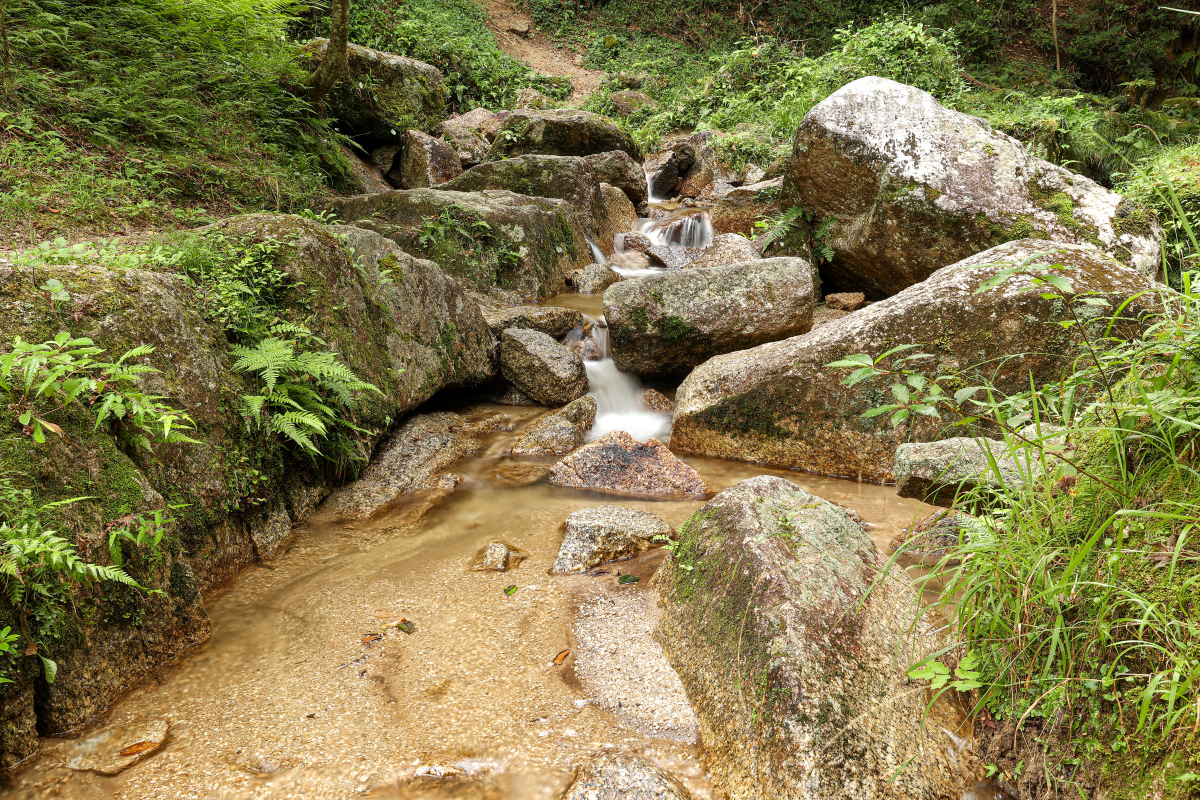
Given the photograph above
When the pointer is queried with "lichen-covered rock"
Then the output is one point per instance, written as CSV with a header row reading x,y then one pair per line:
x,y
673,256
669,323
602,534
507,245
380,95
559,132
736,211
592,279
915,186
937,472
778,403
565,178
465,135
616,463
621,775
426,161
616,168
554,321
657,401
557,433
541,368
726,249
778,592
618,217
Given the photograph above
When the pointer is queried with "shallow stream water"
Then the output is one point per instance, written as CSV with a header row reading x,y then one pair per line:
x,y
304,691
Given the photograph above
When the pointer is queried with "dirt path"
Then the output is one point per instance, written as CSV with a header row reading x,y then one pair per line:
x,y
507,22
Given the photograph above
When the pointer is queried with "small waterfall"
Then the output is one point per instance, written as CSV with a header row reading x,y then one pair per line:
x,y
650,198
618,396
597,253
688,227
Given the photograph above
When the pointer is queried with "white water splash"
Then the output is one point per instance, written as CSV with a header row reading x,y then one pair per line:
x,y
687,227
618,394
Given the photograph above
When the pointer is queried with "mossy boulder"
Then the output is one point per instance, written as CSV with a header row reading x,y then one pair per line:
x,y
559,132
380,96
506,245
792,648
914,186
669,323
239,490
778,403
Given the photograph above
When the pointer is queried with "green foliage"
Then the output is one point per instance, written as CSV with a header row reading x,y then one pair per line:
x,y
39,381
457,234
140,532
117,113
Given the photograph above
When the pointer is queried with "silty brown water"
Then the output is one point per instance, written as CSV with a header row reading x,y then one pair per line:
x,y
295,696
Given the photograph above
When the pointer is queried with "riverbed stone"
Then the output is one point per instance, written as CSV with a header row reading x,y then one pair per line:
x,y
426,161
726,249
621,775
780,404
522,254
779,593
616,463
511,396
542,368
557,433
669,323
673,256
497,556
933,538
559,132
380,95
617,168
601,534
592,279
738,210
554,321
662,174
845,301
618,216
637,242
914,186
113,749
657,401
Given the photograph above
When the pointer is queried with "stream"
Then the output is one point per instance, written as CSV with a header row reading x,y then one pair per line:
x,y
305,688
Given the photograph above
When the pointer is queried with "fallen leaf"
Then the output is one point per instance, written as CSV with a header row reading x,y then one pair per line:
x,y
625,579
561,657
53,210
1164,553
406,626
52,426
600,572
510,590
139,747
371,637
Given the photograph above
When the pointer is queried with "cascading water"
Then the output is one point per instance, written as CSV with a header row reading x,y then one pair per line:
x,y
618,394
687,227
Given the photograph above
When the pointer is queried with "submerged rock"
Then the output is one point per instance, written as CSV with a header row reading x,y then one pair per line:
x,y
504,244
616,168
114,749
669,323
558,432
779,403
497,556
620,775
915,186
602,534
778,592
592,279
380,95
426,161
726,249
616,463
554,321
559,132
541,368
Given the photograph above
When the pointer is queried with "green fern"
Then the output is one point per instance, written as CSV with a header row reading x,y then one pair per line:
x,y
778,227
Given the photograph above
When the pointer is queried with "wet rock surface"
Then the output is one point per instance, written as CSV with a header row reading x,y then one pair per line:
x,y
602,534
592,279
616,463
778,403
915,186
621,775
618,215
541,368
498,556
663,174
657,401
774,603
616,168
726,249
558,432
559,132
425,161
554,321
669,323
111,750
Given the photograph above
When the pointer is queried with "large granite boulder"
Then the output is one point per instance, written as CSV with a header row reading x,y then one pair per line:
x,y
738,210
669,323
937,472
616,168
616,463
506,245
793,651
557,433
554,321
465,135
915,186
541,368
380,96
426,161
726,249
779,403
602,534
559,132
621,775
618,217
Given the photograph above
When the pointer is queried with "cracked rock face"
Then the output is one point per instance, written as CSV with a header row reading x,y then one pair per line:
x,y
915,186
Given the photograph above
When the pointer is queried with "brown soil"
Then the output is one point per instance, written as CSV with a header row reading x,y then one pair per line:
x,y
537,50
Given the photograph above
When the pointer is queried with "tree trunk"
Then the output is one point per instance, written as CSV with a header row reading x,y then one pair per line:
x,y
1054,34
335,55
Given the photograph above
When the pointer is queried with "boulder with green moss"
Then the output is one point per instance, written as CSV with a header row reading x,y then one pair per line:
x,y
559,132
913,186
669,323
397,322
780,404
380,95
512,247
793,651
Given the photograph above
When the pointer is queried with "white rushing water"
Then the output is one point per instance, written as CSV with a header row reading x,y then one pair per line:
x,y
618,394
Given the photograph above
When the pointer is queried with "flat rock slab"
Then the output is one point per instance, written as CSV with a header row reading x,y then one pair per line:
x,y
553,321
118,747
541,368
624,776
619,464
602,534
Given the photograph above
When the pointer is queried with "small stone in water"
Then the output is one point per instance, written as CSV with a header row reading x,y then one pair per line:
x,y
113,749
496,557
